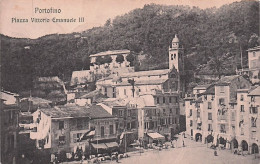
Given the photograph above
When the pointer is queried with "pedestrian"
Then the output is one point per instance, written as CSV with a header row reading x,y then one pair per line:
x,y
183,143
215,152
117,158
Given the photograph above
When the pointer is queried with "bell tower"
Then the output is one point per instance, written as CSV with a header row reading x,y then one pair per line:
x,y
174,54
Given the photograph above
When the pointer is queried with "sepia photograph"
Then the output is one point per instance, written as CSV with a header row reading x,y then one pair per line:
x,y
130,81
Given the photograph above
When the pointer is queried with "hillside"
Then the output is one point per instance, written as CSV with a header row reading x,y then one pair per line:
x,y
209,35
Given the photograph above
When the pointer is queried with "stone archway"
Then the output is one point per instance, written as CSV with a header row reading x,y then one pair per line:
x,y
244,145
198,137
210,138
234,143
255,148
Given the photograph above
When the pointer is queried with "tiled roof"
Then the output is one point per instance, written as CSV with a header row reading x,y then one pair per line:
x,y
97,111
202,86
255,92
144,82
49,79
146,73
114,52
72,111
209,91
227,80
37,100
111,102
95,93
254,48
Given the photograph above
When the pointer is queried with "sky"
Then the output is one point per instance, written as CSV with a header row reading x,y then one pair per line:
x,y
95,13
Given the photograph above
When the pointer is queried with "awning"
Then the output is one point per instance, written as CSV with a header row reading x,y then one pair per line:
x,y
111,144
155,136
99,146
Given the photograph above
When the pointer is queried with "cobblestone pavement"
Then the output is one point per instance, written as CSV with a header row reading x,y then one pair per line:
x,y
193,152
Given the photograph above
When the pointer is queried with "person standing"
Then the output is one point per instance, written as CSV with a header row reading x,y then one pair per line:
x,y
215,152
117,158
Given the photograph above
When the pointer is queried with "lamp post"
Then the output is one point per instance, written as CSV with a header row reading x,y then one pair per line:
x,y
125,139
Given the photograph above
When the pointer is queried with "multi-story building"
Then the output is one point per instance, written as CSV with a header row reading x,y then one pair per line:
x,y
157,111
60,128
113,66
223,111
9,114
131,84
247,132
253,65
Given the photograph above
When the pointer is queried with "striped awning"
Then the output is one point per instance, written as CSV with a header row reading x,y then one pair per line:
x,y
99,146
111,144
155,136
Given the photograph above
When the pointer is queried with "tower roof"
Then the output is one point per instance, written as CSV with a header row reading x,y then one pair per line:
x,y
175,39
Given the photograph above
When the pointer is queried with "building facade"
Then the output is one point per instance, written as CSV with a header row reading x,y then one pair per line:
x,y
224,112
113,66
61,128
253,70
9,132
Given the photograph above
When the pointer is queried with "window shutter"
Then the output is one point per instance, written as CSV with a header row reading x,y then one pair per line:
x,y
66,124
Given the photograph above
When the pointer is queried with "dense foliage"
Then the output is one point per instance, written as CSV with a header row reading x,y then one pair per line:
x,y
204,34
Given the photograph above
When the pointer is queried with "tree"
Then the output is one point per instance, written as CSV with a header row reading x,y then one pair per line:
x,y
130,57
107,59
108,22
120,59
216,65
99,60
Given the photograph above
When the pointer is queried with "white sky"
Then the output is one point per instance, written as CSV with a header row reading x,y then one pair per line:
x,y
96,12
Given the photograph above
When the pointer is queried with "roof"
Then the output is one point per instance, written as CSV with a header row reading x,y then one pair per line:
x,y
37,100
74,111
202,86
254,48
209,91
114,52
95,93
198,100
49,79
146,73
175,39
255,92
226,80
97,111
112,102
9,93
144,82
66,111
